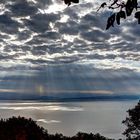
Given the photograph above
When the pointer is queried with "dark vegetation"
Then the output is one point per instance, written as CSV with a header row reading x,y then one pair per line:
x,y
124,10
132,122
20,128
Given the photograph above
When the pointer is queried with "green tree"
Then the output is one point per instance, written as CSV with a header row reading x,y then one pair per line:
x,y
132,123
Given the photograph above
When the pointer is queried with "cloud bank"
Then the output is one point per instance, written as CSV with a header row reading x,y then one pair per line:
x,y
50,50
38,33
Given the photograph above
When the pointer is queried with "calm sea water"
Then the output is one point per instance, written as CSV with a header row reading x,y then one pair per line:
x,y
103,117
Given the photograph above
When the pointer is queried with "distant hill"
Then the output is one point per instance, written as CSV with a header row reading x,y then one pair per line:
x,y
64,97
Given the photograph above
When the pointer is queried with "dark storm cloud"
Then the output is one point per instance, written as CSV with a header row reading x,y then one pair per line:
x,y
69,28
26,48
39,50
94,19
43,3
37,61
32,32
22,8
75,10
6,57
101,57
7,25
84,28
132,33
40,22
73,15
95,35
24,35
53,35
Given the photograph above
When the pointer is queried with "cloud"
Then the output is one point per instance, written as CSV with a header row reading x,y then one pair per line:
x,y
40,23
7,25
48,122
52,35
71,81
22,9
37,33
95,36
69,28
49,49
44,108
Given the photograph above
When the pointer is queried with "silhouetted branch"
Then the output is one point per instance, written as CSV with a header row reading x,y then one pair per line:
x,y
125,9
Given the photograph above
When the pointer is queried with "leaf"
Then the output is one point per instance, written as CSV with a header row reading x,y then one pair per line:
x,y
68,2
110,21
129,7
137,15
122,14
118,18
75,1
102,6
135,4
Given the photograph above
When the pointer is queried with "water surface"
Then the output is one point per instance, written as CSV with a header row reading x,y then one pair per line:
x,y
103,117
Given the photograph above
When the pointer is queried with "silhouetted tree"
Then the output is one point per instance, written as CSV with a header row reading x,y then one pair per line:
x,y
132,122
85,136
26,129
21,129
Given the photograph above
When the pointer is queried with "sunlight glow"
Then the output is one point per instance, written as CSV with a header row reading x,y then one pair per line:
x,y
69,38
34,1
40,89
55,8
64,18
48,122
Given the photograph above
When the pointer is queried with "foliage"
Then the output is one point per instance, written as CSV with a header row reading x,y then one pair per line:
x,y
68,2
132,122
21,129
85,136
124,9
26,129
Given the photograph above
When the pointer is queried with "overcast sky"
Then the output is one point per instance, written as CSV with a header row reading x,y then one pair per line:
x,y
47,47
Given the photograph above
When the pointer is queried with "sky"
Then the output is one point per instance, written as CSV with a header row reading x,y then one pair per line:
x,y
50,49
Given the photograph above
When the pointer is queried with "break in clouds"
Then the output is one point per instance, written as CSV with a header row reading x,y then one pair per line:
x,y
35,33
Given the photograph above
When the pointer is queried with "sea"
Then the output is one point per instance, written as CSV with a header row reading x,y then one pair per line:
x,y
68,118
